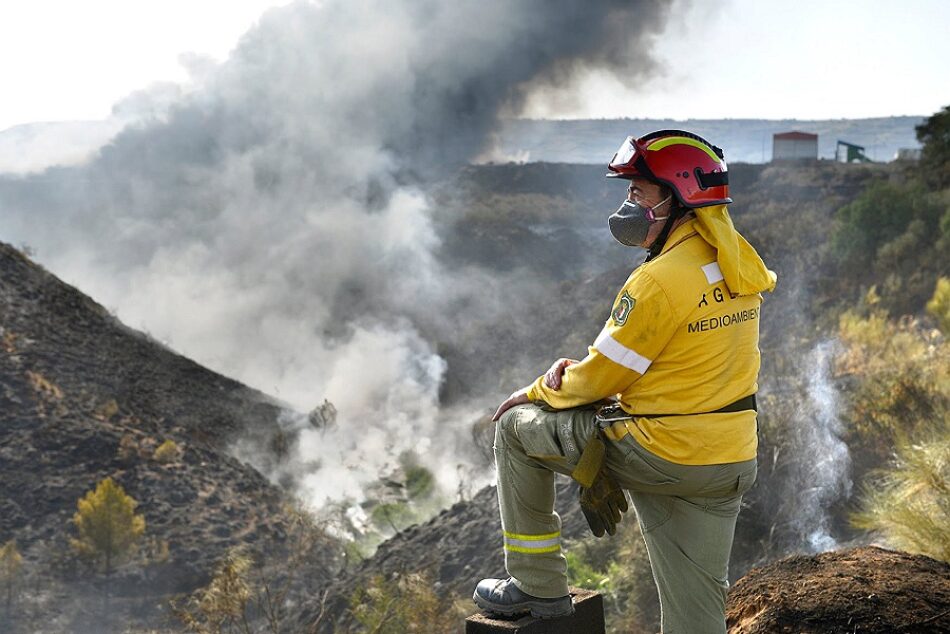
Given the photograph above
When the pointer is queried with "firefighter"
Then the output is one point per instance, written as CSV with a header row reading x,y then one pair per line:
x,y
662,406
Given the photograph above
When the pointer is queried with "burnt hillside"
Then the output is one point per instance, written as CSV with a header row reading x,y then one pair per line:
x,y
82,397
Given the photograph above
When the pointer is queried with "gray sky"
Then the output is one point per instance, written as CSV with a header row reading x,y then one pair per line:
x,y
63,60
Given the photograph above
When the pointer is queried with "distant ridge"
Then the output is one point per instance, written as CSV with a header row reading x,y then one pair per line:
x,y
744,140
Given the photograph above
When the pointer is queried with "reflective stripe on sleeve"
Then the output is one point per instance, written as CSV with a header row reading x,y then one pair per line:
x,y
713,274
532,544
619,353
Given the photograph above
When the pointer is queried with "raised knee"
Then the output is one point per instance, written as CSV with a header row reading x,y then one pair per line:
x,y
505,425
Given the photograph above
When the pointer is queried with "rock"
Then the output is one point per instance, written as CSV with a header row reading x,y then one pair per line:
x,y
323,415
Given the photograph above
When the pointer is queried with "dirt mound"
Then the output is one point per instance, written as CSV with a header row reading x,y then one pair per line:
x,y
867,589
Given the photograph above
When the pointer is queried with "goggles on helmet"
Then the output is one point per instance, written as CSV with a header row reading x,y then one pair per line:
x,y
624,155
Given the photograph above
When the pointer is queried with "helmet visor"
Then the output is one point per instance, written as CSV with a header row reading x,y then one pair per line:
x,y
625,154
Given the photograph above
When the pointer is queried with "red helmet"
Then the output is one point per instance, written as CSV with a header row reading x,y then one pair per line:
x,y
689,164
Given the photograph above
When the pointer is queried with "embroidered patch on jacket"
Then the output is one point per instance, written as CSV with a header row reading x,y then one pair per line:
x,y
623,309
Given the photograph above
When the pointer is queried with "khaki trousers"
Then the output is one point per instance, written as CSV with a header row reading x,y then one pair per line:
x,y
687,514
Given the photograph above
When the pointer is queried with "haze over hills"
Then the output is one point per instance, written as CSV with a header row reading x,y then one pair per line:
x,y
33,147
744,140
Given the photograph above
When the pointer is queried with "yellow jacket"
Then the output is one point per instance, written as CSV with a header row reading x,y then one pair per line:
x,y
678,342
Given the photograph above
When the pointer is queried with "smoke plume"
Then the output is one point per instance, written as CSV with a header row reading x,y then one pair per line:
x,y
819,475
272,221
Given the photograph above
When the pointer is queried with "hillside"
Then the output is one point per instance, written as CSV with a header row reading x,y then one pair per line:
x,y
83,397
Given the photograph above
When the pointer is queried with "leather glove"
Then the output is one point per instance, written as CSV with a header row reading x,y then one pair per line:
x,y
603,504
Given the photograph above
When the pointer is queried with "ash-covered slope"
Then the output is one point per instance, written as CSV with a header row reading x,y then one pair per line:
x,y
82,397
53,329
860,590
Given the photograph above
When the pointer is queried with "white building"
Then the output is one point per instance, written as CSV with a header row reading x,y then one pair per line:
x,y
794,146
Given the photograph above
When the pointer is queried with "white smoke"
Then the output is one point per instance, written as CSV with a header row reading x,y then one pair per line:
x,y
823,463
382,410
272,220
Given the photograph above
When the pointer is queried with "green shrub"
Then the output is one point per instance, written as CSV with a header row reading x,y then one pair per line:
x,y
391,515
619,568
881,213
934,133
890,235
582,574
420,483
939,305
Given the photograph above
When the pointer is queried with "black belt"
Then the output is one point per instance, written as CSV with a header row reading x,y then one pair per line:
x,y
743,404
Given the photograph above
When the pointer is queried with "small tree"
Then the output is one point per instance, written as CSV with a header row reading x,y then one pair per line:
x,y
107,523
10,563
934,133
394,515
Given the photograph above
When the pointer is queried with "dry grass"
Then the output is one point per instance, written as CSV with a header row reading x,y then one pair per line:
x,y
909,504
43,386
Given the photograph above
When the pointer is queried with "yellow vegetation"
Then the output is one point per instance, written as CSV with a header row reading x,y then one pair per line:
x,y
405,604
9,342
899,375
108,527
939,305
901,378
222,605
10,564
909,505
44,386
168,451
239,588
154,551
134,446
